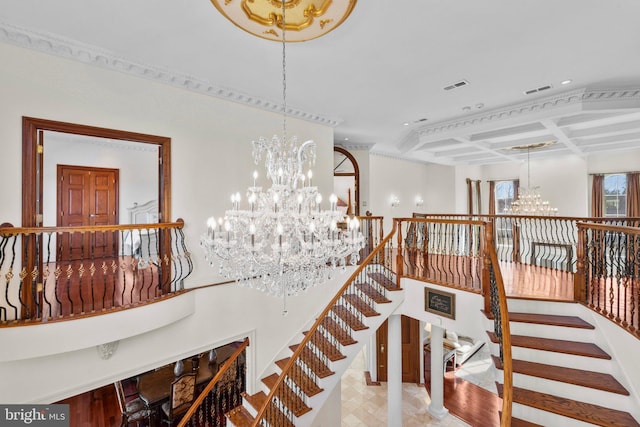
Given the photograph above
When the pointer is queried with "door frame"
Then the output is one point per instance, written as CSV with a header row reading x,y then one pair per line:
x,y
32,164
415,350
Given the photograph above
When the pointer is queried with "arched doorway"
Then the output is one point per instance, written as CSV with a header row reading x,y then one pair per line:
x,y
346,180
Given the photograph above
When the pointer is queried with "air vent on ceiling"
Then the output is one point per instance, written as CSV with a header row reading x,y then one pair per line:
x,y
456,85
536,90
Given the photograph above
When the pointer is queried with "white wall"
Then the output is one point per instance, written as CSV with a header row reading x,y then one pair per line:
x,y
406,181
211,158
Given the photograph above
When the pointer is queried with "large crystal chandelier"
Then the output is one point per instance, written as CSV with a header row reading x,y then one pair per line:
x,y
284,241
529,201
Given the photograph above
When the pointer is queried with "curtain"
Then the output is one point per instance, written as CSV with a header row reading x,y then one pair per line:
x,y
469,197
478,198
633,194
492,197
597,191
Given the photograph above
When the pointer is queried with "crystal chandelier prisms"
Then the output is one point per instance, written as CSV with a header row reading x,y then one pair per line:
x,y
284,242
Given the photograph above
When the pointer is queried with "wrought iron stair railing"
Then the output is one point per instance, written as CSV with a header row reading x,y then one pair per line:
x,y
311,358
221,395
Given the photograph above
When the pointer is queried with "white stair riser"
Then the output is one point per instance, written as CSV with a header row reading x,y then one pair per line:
x,y
570,391
552,332
544,418
517,305
561,359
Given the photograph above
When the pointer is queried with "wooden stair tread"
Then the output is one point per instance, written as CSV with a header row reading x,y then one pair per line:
x,y
290,399
240,417
326,347
256,400
373,293
550,319
349,318
590,379
360,305
313,362
559,346
334,328
308,386
586,412
517,422
384,281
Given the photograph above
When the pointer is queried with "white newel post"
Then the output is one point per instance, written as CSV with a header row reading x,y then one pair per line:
x,y
394,371
436,407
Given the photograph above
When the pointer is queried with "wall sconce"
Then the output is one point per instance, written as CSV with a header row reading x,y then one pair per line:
x,y
395,202
419,201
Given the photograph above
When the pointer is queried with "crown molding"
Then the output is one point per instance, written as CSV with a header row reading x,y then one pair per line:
x,y
88,54
362,146
630,96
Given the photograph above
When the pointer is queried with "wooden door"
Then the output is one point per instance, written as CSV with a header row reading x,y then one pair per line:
x,y
87,197
410,339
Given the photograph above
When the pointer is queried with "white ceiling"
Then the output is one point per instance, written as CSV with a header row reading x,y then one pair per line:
x,y
387,65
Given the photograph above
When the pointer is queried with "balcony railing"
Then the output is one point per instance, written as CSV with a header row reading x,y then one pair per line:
x,y
608,276
51,273
448,252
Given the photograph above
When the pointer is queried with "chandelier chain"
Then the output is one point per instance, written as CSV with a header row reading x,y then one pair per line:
x,y
284,73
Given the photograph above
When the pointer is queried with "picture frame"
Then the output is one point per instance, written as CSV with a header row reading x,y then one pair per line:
x,y
440,302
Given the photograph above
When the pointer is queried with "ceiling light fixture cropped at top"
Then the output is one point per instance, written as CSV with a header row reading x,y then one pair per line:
x,y
283,242
306,19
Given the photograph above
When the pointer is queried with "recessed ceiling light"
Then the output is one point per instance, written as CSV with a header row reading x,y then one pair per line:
x,y
480,105
566,82
346,139
466,108
406,123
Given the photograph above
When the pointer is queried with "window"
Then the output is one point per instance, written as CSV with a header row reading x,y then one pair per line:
x,y
504,194
615,195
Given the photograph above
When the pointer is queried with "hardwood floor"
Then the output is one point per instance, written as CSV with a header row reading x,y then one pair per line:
x,y
97,408
467,401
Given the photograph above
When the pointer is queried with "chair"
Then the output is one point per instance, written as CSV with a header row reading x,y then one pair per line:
x,y
183,390
134,410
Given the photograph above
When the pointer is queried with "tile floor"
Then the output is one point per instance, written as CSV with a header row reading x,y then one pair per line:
x,y
364,405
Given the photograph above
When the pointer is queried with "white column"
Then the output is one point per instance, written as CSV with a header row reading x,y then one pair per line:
x,y
394,371
436,407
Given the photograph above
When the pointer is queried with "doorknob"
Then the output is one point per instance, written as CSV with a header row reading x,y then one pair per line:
x,y
382,348
92,215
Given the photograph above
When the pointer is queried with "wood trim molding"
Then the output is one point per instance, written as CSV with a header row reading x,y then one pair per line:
x,y
32,166
355,174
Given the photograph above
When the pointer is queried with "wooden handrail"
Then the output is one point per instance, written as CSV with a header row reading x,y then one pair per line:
x,y
223,369
10,231
507,390
296,354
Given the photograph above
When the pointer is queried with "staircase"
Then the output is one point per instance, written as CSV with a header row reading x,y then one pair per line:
x,y
560,375
325,352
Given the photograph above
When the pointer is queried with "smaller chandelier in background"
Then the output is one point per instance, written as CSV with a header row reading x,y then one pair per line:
x,y
284,242
530,201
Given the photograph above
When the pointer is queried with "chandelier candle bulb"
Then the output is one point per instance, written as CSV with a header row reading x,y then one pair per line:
x,y
255,177
211,225
310,175
334,201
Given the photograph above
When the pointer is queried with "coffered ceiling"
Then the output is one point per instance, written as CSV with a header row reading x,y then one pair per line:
x,y
449,82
